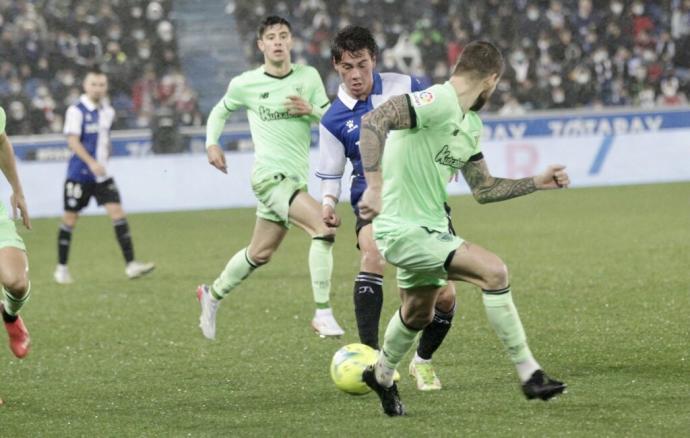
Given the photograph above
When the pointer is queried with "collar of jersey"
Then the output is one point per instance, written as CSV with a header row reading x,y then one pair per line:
x,y
88,103
277,77
350,101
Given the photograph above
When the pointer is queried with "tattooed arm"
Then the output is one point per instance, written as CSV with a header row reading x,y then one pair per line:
x,y
487,188
394,114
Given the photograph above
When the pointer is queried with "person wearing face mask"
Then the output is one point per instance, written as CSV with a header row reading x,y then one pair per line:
x,y
353,53
428,136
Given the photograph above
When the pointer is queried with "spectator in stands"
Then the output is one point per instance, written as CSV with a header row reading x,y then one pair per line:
x,y
46,47
602,41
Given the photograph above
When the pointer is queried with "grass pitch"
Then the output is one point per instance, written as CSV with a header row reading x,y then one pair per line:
x,y
600,276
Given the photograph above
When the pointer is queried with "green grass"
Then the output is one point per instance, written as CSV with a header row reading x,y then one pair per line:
x,y
601,278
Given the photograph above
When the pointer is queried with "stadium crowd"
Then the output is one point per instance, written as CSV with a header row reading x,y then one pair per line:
x,y
559,53
46,46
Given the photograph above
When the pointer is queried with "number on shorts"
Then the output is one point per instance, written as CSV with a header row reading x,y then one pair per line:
x,y
73,190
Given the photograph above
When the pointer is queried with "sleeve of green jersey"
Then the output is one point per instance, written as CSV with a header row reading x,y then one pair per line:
x,y
2,120
317,95
220,113
432,106
476,128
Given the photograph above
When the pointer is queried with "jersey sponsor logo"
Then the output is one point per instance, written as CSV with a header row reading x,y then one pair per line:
x,y
91,128
445,158
422,98
263,96
267,114
351,126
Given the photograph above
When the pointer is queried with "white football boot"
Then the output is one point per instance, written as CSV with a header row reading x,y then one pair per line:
x,y
136,269
324,324
209,307
61,275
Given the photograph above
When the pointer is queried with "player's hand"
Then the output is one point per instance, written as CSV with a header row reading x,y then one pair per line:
x,y
554,177
370,204
329,217
18,202
216,158
97,168
297,106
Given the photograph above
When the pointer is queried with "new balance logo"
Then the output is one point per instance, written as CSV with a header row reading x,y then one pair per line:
x,y
263,96
365,290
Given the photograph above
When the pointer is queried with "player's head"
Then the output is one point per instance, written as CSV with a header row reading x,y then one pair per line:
x,y
353,53
274,38
95,85
480,62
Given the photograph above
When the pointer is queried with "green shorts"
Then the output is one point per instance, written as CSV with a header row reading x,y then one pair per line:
x,y
420,254
275,191
8,232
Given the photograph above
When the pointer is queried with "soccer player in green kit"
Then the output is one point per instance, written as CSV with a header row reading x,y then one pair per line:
x,y
282,100
436,134
14,265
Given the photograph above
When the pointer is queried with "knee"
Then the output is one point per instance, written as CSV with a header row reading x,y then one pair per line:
x,y
324,233
417,318
496,276
446,299
17,285
261,256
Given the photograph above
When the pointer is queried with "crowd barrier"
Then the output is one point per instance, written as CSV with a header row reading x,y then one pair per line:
x,y
599,149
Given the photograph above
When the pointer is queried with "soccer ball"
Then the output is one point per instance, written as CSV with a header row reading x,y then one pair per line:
x,y
347,366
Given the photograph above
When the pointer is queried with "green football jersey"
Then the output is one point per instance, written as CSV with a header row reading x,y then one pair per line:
x,y
418,163
281,140
2,120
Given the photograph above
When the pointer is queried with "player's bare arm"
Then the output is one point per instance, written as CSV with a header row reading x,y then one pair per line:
x,y
394,114
78,148
9,169
328,213
487,188
216,157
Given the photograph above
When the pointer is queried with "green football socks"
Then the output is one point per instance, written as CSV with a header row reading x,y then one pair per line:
x,y
12,304
396,342
321,268
238,268
505,320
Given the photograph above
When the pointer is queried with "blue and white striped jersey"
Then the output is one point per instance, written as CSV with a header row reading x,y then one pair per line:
x,y
339,132
91,123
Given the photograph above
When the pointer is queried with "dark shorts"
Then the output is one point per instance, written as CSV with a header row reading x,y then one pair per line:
x,y
77,195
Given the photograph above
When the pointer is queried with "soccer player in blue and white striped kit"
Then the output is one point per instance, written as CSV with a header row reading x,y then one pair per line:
x,y
87,127
353,53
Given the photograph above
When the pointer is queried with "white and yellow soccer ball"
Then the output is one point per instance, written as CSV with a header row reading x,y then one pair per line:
x,y
347,366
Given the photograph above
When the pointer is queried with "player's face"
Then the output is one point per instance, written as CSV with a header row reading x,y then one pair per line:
x,y
96,86
356,71
276,43
489,88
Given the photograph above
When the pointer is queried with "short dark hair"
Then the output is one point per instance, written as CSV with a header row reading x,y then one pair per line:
x,y
94,70
271,21
353,39
480,58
